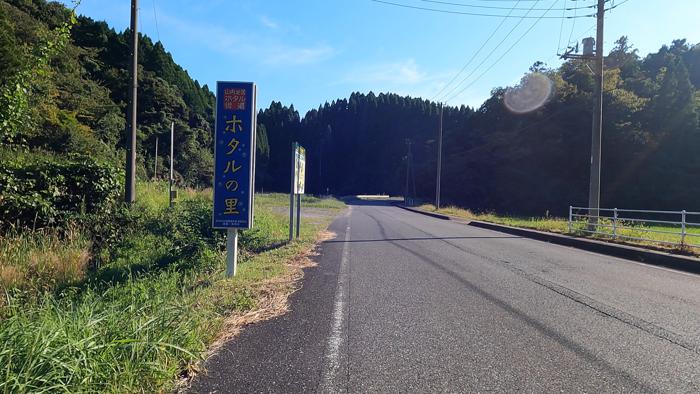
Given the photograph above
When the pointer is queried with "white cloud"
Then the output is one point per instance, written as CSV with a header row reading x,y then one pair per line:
x,y
269,23
252,47
285,55
398,73
407,78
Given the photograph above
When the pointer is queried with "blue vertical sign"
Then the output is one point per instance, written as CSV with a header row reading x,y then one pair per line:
x,y
234,155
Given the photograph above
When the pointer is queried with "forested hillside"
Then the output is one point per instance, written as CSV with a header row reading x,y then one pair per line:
x,y
77,89
498,160
64,85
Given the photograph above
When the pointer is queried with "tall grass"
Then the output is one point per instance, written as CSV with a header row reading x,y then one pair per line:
x,y
40,260
126,339
147,314
152,196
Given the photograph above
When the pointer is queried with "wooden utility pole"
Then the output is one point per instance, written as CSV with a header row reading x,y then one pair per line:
x,y
439,163
130,185
597,132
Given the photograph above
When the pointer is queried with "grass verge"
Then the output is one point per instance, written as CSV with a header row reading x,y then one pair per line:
x,y
151,311
625,232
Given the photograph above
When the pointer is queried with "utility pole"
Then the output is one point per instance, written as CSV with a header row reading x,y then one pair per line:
x,y
439,163
597,129
155,162
408,171
172,157
597,132
130,185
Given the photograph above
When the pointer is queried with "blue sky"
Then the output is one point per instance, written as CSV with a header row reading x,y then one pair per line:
x,y
307,52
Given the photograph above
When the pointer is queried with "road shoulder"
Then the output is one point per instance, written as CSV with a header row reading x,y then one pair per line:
x,y
652,257
286,353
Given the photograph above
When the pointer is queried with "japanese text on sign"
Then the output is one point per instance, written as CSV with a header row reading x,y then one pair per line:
x,y
299,169
234,155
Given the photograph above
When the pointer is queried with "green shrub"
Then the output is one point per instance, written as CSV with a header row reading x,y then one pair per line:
x,y
39,189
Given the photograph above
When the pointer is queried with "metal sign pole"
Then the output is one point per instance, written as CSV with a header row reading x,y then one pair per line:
x,y
291,192
231,252
298,214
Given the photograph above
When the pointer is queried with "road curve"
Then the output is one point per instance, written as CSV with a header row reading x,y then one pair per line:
x,y
402,302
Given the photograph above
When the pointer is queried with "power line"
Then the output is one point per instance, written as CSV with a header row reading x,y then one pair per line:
x,y
476,13
580,36
490,53
615,5
573,26
155,16
573,23
502,56
475,54
507,8
561,29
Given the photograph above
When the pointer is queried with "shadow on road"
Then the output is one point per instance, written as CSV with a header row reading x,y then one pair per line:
x,y
382,202
420,239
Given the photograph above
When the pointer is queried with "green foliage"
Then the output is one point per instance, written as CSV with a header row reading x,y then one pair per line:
x,y
190,227
64,85
39,189
21,77
149,312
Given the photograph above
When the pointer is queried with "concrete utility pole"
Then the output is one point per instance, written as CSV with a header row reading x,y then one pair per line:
x,y
130,185
597,133
597,130
439,163
408,170
172,157
155,162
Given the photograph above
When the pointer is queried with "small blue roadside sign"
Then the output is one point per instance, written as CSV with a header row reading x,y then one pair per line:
x,y
234,155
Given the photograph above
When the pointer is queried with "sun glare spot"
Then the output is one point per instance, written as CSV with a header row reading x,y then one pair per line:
x,y
533,92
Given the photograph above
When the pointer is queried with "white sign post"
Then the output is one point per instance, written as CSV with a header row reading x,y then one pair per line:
x,y
234,163
297,187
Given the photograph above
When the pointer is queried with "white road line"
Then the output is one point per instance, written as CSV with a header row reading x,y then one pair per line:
x,y
335,339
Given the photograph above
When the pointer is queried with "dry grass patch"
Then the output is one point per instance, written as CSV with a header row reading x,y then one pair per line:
x,y
42,260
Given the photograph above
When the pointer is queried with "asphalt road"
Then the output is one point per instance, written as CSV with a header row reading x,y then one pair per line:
x,y
401,302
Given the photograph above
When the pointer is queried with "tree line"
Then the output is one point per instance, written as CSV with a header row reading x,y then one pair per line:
x,y
495,159
63,93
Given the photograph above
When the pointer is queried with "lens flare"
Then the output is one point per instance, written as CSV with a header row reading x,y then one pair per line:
x,y
533,92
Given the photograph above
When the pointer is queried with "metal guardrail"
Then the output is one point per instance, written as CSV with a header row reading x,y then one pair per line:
x,y
637,225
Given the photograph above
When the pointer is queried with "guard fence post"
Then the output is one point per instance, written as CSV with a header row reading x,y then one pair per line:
x,y
615,223
683,213
571,210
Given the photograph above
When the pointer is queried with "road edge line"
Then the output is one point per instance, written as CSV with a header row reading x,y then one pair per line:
x,y
335,338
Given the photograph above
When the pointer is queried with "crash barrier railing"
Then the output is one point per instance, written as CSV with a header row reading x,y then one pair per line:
x,y
672,228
